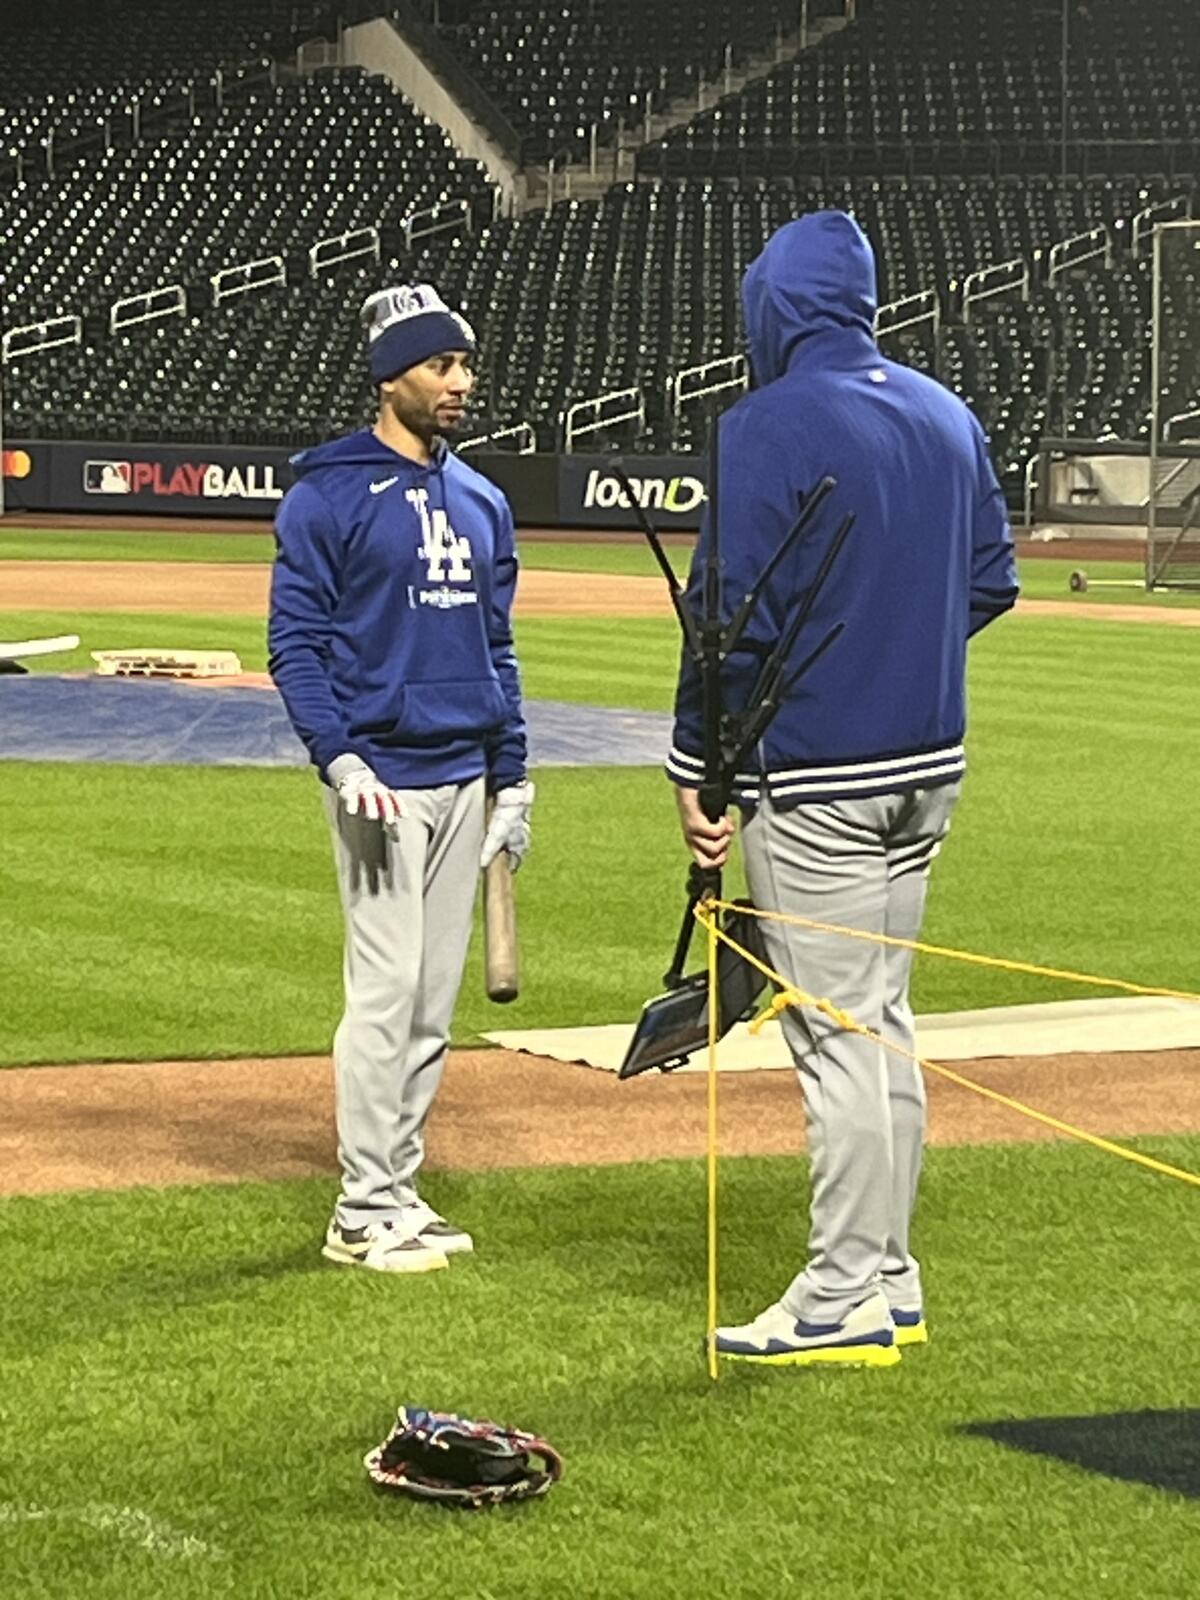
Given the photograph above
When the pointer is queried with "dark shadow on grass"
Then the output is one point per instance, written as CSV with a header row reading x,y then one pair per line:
x,y
1159,1448
128,1296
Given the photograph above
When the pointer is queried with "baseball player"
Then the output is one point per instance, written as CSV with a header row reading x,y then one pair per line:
x,y
391,645
854,785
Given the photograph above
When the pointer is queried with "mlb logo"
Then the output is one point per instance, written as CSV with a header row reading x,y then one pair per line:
x,y
107,477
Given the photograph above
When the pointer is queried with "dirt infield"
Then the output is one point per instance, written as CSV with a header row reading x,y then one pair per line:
x,y
119,1126
239,589
233,589
1107,611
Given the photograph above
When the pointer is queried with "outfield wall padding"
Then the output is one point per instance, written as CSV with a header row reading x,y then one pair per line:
x,y
118,480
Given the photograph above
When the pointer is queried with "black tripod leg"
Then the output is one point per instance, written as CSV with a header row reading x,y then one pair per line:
x,y
703,883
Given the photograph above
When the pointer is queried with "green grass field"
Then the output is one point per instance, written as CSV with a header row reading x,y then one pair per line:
x,y
1110,583
132,544
186,1391
75,544
184,1355
194,909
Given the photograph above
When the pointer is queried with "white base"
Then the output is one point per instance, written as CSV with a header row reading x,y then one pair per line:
x,y
1059,1027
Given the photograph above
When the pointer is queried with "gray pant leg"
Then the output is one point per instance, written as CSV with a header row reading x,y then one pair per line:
x,y
914,840
407,904
828,862
451,876
863,864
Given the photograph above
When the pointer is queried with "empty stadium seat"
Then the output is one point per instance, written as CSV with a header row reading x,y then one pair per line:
x,y
555,67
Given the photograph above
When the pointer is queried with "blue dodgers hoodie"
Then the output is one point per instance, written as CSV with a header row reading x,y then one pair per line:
x,y
390,633
928,562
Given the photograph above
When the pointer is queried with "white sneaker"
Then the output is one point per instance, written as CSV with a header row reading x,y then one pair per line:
x,y
432,1228
382,1246
864,1337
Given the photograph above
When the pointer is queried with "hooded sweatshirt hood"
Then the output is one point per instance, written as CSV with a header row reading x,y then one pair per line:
x,y
815,275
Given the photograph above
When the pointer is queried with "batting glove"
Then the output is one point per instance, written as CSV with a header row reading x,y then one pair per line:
x,y
509,827
362,793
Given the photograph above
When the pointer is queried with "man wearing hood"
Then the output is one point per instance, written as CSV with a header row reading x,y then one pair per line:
x,y
852,789
391,645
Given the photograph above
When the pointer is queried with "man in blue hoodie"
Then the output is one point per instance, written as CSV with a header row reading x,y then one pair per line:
x,y
852,789
391,644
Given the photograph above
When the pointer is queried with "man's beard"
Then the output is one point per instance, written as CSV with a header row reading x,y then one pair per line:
x,y
424,424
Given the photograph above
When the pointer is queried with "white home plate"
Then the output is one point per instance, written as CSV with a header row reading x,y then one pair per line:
x,y
1059,1027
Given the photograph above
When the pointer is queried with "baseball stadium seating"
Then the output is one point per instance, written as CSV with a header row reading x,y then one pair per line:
x,y
72,70
60,48
600,295
284,167
591,295
954,86
554,67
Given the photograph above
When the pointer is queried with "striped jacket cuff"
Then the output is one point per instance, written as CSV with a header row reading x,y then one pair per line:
x,y
685,769
851,778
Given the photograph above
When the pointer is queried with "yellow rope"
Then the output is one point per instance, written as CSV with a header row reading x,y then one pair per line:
x,y
792,996
957,955
709,921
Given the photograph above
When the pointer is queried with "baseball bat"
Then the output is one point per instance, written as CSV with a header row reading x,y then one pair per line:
x,y
501,954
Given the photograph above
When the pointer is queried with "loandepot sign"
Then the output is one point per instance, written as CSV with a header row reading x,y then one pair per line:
x,y
679,494
670,489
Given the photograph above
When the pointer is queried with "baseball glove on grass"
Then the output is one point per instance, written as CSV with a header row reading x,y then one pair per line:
x,y
435,1455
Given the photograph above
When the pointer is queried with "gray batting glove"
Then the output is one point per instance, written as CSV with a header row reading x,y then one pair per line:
x,y
509,828
362,793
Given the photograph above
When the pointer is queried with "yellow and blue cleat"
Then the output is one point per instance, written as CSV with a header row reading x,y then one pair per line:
x,y
865,1337
910,1327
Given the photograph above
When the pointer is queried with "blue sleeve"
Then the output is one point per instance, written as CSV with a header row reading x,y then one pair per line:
x,y
305,589
756,515
994,586
506,750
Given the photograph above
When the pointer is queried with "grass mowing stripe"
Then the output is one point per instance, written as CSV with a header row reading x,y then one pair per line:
x,y
592,660
195,911
103,544
1046,578
128,630
615,662
203,1326
633,558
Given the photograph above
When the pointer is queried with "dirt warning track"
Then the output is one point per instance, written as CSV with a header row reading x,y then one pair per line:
x,y
239,589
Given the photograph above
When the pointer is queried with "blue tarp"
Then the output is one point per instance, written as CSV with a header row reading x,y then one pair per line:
x,y
147,721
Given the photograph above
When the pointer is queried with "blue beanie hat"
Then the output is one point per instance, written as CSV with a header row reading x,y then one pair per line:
x,y
407,325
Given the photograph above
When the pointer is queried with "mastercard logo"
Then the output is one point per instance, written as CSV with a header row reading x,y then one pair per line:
x,y
17,463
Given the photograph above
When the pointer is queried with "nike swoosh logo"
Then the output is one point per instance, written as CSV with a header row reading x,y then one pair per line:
x,y
378,488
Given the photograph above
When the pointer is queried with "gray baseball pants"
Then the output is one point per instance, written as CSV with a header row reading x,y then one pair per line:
x,y
863,864
407,898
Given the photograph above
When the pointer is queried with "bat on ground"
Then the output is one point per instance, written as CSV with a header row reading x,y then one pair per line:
x,y
502,959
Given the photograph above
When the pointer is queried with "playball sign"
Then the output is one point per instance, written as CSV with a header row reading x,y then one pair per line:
x,y
168,479
121,479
